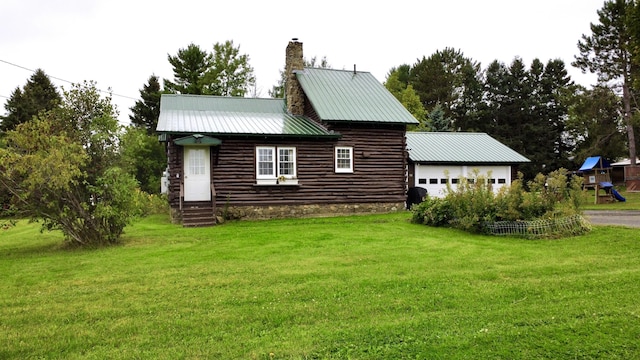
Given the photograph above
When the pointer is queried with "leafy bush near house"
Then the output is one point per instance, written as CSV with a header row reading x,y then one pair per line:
x,y
473,206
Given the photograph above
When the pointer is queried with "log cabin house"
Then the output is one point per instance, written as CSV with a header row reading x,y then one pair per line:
x,y
335,145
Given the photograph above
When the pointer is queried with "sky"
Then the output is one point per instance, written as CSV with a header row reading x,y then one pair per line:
x,y
120,43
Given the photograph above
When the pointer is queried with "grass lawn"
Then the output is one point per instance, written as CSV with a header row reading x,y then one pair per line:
x,y
364,287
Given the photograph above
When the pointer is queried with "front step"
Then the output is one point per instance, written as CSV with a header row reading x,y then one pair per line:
x,y
198,216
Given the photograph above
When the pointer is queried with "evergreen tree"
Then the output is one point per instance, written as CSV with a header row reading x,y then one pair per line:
x,y
189,68
609,53
438,119
526,110
447,78
145,112
37,95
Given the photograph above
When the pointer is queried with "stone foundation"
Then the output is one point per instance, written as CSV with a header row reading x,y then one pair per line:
x,y
301,211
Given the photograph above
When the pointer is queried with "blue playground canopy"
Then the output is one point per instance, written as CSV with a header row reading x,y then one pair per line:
x,y
594,162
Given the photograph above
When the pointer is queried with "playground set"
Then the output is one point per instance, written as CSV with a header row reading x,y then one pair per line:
x,y
597,176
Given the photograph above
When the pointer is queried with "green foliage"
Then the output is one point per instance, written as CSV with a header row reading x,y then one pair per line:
x,y
37,95
526,109
473,203
438,119
189,67
60,170
408,98
225,72
230,73
150,204
448,78
611,52
145,112
594,125
144,157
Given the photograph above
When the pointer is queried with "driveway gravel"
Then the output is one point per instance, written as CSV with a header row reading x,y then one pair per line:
x,y
629,218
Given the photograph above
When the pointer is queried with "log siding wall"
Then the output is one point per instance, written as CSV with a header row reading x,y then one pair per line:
x,y
379,170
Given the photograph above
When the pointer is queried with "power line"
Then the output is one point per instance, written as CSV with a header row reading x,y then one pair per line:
x,y
63,80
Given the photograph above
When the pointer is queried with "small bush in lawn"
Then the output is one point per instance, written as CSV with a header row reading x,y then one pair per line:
x,y
150,204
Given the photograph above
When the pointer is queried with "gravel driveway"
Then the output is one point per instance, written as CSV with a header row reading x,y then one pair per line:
x,y
629,218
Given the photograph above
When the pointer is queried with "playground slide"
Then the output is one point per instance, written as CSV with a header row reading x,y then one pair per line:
x,y
617,195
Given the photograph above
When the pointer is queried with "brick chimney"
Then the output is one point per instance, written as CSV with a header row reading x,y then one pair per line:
x,y
293,92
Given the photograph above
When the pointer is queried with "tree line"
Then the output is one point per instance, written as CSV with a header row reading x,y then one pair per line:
x,y
537,109
64,158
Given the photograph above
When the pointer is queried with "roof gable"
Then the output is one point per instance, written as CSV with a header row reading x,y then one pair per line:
x,y
459,147
221,115
341,95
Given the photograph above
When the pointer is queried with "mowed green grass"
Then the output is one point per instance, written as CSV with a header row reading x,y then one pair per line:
x,y
360,287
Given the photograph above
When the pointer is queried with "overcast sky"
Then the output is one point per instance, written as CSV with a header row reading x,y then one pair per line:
x,y
120,43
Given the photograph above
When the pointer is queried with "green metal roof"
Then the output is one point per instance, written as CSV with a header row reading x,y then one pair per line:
x,y
341,95
459,147
218,115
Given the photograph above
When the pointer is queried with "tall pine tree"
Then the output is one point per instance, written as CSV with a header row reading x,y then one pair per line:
x,y
608,52
145,112
189,67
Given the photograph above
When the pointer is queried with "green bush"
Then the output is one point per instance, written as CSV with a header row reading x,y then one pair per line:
x,y
473,204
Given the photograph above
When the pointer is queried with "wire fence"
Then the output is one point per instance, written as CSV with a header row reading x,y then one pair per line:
x,y
535,229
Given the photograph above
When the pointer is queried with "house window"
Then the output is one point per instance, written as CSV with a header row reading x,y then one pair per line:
x,y
454,181
443,181
275,162
433,181
422,181
344,159
502,181
287,162
265,163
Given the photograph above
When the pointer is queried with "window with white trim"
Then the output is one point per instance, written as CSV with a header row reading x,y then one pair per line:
x,y
274,162
344,159
287,162
265,163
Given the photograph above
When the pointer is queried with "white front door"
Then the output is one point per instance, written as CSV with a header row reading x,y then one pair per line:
x,y
197,174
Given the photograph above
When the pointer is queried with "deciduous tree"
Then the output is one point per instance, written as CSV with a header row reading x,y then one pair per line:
x,y
60,169
230,73
595,125
144,157
407,96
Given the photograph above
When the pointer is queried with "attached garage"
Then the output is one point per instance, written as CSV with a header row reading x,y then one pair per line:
x,y
439,158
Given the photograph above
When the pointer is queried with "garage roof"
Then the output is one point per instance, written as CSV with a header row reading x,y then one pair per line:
x,y
459,147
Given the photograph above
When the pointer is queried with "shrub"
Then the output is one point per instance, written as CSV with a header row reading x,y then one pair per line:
x,y
472,205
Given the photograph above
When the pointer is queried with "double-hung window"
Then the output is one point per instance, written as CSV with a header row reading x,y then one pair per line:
x,y
344,159
275,163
